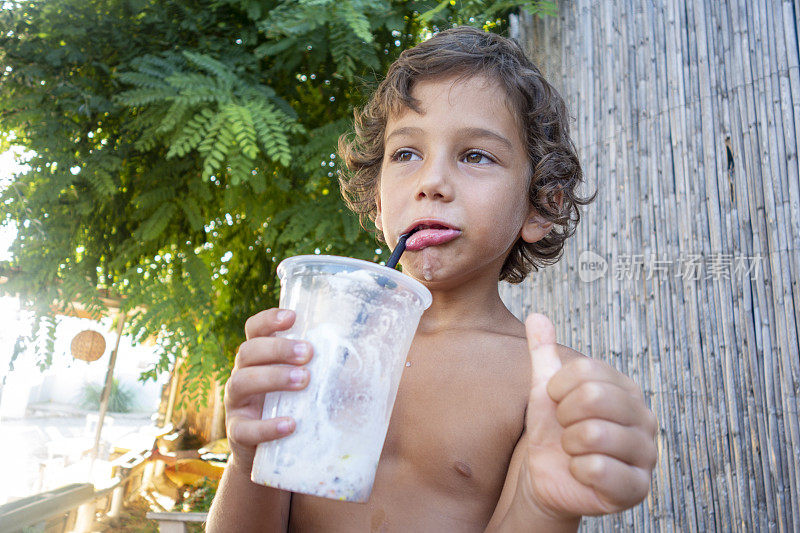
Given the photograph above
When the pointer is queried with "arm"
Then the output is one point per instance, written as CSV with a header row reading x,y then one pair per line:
x,y
262,365
241,505
511,515
588,443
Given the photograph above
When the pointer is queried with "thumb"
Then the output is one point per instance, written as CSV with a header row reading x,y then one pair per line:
x,y
542,346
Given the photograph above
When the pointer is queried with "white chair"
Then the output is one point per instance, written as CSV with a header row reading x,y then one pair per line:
x,y
69,448
90,429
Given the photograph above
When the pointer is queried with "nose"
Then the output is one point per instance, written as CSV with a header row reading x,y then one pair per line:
x,y
435,180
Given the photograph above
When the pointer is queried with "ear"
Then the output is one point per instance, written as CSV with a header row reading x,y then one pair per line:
x,y
536,227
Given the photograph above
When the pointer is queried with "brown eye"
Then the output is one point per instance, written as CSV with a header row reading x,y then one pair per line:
x,y
403,156
475,157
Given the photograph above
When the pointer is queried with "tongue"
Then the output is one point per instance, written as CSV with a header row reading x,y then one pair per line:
x,y
431,237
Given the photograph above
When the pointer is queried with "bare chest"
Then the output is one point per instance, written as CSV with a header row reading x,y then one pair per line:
x,y
455,422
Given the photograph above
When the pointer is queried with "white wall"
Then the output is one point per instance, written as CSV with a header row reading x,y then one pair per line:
x,y
63,381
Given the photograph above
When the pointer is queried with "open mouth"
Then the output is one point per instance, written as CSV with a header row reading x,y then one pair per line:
x,y
421,227
430,233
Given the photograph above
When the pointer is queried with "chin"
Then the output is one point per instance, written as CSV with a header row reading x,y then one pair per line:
x,y
426,265
438,272
439,279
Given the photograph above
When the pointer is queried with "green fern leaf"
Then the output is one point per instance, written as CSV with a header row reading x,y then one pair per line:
x,y
356,20
192,215
199,275
154,226
192,133
143,97
141,79
274,48
212,66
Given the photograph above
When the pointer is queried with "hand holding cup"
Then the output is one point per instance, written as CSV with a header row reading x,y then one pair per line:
x,y
264,363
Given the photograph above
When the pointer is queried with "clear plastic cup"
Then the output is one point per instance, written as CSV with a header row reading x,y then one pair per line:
x,y
360,318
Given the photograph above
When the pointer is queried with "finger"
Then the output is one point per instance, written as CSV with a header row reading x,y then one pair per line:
x,y
600,399
271,350
541,336
628,444
618,484
254,432
267,322
585,369
251,380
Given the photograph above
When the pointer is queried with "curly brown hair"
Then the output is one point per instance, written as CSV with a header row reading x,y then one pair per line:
x,y
541,113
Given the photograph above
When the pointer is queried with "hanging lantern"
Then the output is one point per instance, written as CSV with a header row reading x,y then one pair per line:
x,y
88,345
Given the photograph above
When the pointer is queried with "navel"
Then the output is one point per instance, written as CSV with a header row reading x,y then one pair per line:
x,y
463,468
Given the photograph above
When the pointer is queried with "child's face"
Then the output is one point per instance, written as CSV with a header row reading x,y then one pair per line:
x,y
447,166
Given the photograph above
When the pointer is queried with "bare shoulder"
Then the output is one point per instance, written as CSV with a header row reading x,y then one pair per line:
x,y
511,339
514,332
492,362
568,355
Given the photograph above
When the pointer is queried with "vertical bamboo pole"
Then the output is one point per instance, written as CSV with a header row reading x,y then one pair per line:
x,y
112,361
722,353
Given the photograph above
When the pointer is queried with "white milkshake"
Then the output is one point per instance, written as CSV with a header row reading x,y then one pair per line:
x,y
360,319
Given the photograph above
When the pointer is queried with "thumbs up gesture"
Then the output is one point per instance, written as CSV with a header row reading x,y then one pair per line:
x,y
588,447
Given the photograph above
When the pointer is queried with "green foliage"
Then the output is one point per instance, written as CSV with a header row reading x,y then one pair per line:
x,y
197,498
490,11
120,398
40,341
542,8
204,106
183,148
133,518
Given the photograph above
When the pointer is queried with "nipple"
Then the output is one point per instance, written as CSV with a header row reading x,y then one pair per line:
x,y
463,468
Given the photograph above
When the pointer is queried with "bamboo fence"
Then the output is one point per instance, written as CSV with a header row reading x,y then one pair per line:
x,y
685,119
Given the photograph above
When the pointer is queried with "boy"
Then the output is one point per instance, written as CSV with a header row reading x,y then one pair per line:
x,y
467,141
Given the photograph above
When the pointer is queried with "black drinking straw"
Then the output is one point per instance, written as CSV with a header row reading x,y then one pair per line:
x,y
398,250
382,280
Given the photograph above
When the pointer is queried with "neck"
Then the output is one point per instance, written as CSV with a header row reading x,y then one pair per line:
x,y
474,305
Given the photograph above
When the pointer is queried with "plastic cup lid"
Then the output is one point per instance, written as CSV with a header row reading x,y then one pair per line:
x,y
351,264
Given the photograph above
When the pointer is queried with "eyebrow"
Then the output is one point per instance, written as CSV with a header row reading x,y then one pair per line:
x,y
466,132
